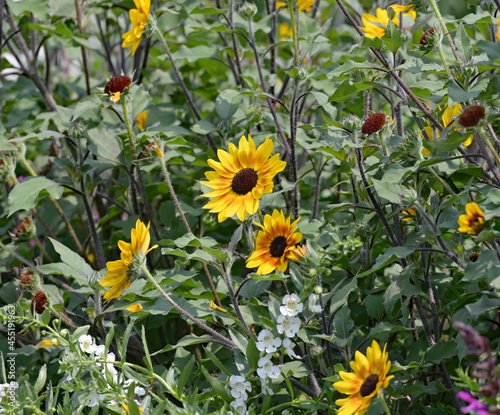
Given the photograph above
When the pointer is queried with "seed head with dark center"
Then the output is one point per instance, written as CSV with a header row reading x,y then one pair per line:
x,y
40,299
244,181
373,123
277,247
471,116
369,385
117,84
26,277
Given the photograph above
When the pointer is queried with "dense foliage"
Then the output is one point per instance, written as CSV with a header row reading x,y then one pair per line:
x,y
249,207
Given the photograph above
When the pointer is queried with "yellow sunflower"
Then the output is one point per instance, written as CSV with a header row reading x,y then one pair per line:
x,y
121,273
374,26
448,118
285,31
275,244
139,17
241,178
369,376
473,221
142,119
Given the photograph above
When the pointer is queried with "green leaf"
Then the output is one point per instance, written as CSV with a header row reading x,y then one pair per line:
x,y
215,360
25,194
389,256
207,10
80,270
203,127
346,89
44,135
343,322
457,94
227,103
463,43
253,355
393,38
41,379
104,143
441,351
147,356
183,377
391,191
216,385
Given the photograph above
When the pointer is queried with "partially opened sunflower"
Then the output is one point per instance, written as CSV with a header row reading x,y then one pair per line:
x,y
139,17
121,273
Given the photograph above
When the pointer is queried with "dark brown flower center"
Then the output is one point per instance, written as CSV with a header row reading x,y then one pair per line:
x,y
244,181
277,246
369,385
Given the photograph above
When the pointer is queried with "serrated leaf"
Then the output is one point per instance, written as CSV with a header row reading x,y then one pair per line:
x,y
80,270
25,194
346,89
41,379
109,148
441,351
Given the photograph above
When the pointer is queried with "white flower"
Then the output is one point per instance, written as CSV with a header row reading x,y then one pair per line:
x,y
137,391
96,398
267,343
99,352
266,390
239,387
110,367
86,343
313,306
288,325
239,407
267,369
292,305
289,345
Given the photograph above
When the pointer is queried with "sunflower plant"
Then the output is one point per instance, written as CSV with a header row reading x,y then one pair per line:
x,y
249,207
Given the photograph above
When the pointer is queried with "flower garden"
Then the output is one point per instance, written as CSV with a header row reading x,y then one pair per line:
x,y
250,207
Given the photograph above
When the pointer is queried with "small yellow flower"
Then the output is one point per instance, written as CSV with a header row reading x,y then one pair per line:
x,y
120,273
139,17
275,244
47,343
241,178
141,119
134,308
374,26
115,97
369,376
214,306
473,221
447,119
280,4
128,410
498,31
285,31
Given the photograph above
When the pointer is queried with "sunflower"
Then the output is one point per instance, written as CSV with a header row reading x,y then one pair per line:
x,y
473,221
374,26
368,378
139,17
448,118
275,244
121,273
241,178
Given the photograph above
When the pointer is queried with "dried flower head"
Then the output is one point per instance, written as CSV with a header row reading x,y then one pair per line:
x,y
373,123
24,231
471,116
27,277
116,86
428,40
38,303
427,34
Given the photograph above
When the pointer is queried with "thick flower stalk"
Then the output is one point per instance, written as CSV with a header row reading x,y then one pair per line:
x,y
241,178
369,376
139,17
275,244
121,273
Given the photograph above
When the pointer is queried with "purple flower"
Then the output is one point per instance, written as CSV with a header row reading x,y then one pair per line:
x,y
475,405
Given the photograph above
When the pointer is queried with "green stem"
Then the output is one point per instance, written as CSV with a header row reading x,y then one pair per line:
x,y
384,146
16,255
294,32
39,244
186,224
445,29
227,342
441,54
489,144
438,177
384,404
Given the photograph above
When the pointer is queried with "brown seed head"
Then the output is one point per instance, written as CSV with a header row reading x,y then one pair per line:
x,y
471,116
373,123
425,37
41,300
26,277
117,84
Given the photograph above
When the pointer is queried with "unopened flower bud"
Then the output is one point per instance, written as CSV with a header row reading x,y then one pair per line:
x,y
471,116
25,231
77,130
27,276
301,74
247,10
318,289
373,123
64,332
316,350
54,342
313,272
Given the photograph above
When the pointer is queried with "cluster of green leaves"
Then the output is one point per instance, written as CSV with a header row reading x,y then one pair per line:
x,y
379,219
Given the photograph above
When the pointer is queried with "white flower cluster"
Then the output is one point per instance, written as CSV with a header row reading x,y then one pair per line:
x,y
289,325
106,362
7,388
239,387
